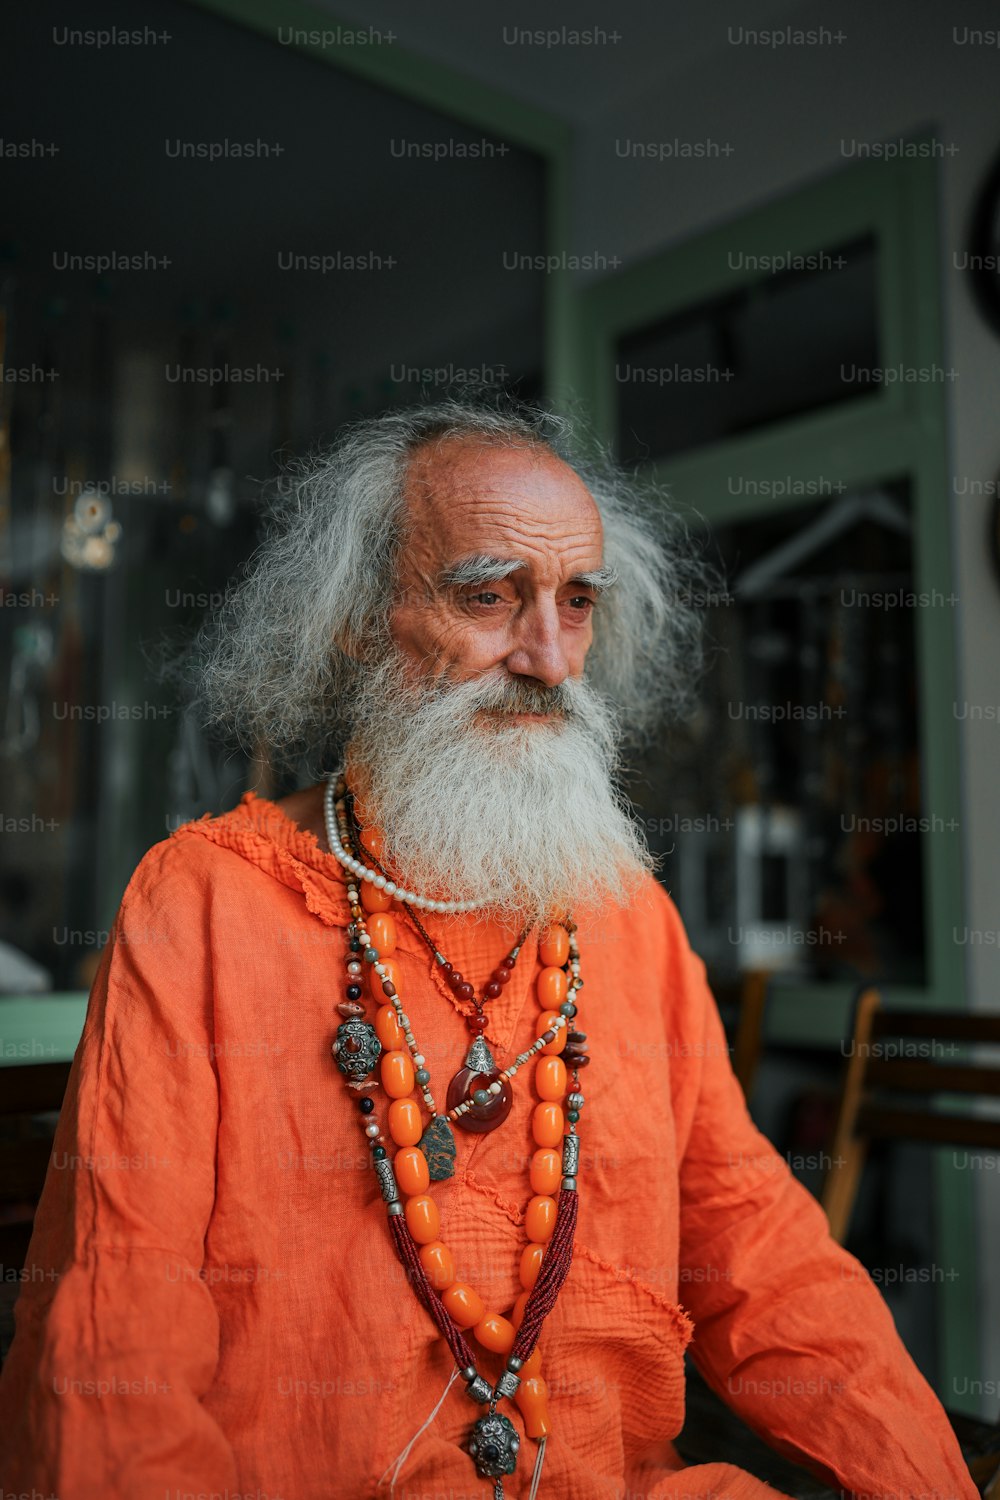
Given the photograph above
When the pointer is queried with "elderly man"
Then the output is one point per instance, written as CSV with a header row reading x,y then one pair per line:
x,y
408,1088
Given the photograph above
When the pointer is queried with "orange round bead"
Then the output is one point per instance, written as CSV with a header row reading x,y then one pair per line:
x,y
404,1122
439,1263
550,1078
517,1311
389,1031
396,1071
551,988
373,898
423,1218
412,1172
465,1305
545,1171
554,946
382,931
548,1124
496,1333
540,1218
373,843
531,1264
545,1021
533,1404
375,981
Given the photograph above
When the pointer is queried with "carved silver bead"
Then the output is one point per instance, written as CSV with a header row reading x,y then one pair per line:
x,y
480,1390
359,1063
507,1384
571,1155
387,1179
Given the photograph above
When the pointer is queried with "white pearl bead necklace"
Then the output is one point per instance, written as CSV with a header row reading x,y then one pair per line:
x,y
362,871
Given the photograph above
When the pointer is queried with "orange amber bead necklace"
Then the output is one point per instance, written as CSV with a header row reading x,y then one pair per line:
x,y
389,1047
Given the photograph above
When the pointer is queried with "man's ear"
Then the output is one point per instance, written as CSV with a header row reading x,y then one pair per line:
x,y
348,645
365,647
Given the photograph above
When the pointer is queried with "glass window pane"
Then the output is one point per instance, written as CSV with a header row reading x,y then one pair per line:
x,y
740,361
790,813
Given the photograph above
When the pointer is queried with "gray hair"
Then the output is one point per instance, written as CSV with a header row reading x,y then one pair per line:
x,y
276,666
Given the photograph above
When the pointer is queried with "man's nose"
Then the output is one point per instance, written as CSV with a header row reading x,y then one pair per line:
x,y
539,651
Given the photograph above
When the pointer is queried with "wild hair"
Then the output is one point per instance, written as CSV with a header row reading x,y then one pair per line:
x,y
276,666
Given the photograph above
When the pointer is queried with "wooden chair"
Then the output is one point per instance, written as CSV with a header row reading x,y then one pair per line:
x,y
873,1072
742,1004
875,1076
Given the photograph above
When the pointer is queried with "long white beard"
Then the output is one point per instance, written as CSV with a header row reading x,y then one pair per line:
x,y
524,816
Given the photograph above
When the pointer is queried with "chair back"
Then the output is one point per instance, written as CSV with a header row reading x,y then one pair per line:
x,y
899,1065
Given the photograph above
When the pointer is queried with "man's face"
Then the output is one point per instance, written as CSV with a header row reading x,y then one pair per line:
x,y
474,508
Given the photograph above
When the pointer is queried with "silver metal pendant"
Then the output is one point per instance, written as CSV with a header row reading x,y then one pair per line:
x,y
493,1446
479,1057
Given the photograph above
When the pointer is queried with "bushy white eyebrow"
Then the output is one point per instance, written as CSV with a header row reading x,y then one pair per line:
x,y
598,579
480,568
483,568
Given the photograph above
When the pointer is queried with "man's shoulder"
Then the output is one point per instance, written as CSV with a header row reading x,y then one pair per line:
x,y
191,860
653,906
648,926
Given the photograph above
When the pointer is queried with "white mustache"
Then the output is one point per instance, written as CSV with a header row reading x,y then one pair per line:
x,y
501,694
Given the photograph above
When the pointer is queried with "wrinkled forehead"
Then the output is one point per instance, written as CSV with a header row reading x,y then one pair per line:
x,y
464,492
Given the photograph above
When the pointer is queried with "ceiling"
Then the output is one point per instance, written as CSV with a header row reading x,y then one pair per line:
x,y
575,82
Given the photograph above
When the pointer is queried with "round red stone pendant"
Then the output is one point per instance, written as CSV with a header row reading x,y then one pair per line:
x,y
481,1118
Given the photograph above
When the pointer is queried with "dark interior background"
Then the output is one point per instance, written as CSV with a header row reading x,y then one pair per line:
x,y
180,457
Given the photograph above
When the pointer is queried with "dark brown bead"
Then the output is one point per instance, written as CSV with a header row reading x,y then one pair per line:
x,y
388,988
493,989
481,1117
549,1036
455,979
575,1059
351,1008
575,1038
465,991
503,972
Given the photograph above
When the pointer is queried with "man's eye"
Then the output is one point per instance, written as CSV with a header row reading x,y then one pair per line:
x,y
582,601
485,598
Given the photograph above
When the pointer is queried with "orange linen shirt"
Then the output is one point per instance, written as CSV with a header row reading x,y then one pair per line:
x,y
213,1306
